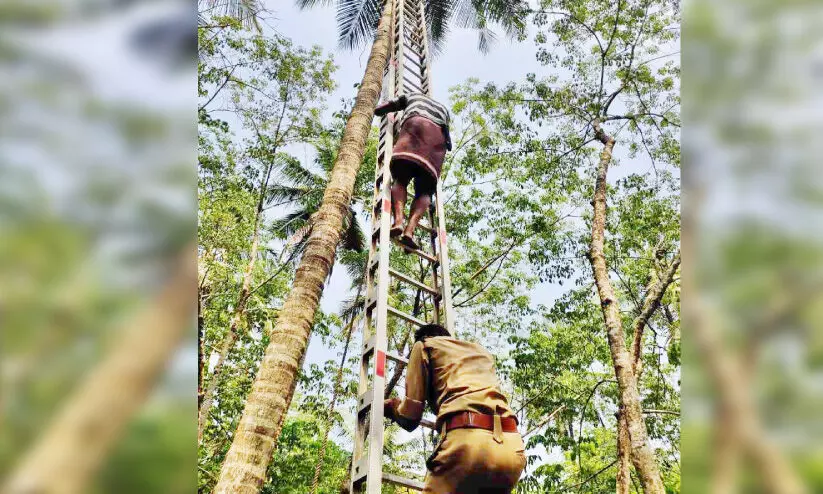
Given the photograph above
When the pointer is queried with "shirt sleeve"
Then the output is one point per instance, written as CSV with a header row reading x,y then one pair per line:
x,y
410,409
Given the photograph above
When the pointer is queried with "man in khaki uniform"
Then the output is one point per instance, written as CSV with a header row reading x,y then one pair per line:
x,y
480,449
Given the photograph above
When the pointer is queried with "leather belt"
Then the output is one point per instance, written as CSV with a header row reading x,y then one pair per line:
x,y
472,420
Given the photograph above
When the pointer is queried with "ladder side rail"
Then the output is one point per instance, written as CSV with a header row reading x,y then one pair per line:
x,y
443,257
374,475
436,299
373,418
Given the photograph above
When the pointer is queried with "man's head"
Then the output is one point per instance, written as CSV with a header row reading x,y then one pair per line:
x,y
430,330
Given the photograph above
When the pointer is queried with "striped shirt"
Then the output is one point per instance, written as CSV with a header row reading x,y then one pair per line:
x,y
421,105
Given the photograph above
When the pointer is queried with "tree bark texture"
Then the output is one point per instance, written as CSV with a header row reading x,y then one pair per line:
x,y
641,453
244,469
624,479
74,446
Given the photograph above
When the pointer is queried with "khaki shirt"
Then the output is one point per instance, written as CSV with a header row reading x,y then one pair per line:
x,y
463,379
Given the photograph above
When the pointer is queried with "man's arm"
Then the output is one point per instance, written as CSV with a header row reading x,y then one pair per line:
x,y
392,106
408,413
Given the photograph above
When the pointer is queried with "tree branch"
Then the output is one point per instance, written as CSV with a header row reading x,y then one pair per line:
x,y
650,303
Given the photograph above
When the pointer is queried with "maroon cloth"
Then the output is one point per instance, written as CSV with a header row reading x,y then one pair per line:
x,y
421,142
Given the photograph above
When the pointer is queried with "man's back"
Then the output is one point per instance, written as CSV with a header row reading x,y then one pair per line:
x,y
463,378
480,449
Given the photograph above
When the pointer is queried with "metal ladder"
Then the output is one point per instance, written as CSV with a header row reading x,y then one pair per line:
x,y
407,72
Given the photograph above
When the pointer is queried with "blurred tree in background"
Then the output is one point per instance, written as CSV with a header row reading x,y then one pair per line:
x,y
97,204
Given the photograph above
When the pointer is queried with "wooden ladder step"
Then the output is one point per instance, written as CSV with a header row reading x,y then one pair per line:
x,y
402,481
411,281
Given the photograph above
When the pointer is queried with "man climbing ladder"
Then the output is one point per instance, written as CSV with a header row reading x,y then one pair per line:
x,y
480,449
418,154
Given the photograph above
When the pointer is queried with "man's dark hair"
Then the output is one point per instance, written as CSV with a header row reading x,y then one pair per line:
x,y
430,330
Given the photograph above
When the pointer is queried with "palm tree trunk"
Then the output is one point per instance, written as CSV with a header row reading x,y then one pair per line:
x,y
239,312
74,446
641,453
244,469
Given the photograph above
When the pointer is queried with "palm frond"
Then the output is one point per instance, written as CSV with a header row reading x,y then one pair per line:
x,y
284,193
357,21
289,224
485,38
297,174
355,263
310,4
246,11
438,17
510,14
353,237
352,307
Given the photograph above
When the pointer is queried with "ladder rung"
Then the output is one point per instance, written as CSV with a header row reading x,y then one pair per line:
x,y
426,228
428,424
364,401
397,358
412,281
412,60
397,480
406,317
368,348
413,85
419,252
361,469
413,38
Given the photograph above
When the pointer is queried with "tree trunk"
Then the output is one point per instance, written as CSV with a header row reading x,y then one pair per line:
x,y
239,312
623,457
650,304
641,453
244,469
75,444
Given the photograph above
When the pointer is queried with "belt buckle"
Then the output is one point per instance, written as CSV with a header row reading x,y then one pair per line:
x,y
470,419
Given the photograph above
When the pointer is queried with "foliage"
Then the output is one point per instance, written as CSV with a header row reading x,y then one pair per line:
x,y
517,188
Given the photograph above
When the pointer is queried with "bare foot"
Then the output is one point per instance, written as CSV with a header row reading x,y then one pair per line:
x,y
408,241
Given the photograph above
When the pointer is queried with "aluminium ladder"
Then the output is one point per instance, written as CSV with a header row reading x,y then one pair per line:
x,y
407,72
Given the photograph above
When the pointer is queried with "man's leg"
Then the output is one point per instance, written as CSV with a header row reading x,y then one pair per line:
x,y
399,195
424,187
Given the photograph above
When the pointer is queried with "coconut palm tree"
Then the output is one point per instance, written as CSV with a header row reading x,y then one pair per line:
x,y
244,468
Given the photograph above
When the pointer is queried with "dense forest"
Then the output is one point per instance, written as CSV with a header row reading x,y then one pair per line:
x,y
562,208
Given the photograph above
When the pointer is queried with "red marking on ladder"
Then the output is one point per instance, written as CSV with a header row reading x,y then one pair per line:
x,y
386,206
380,364
442,236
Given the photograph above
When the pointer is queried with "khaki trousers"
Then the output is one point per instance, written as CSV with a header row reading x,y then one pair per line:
x,y
470,461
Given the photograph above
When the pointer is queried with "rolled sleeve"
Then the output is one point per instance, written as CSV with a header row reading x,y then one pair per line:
x,y
417,374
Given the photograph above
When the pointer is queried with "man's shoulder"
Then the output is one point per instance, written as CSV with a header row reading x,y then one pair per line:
x,y
453,344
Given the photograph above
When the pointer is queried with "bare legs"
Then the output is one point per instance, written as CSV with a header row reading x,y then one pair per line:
x,y
421,203
418,208
399,194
